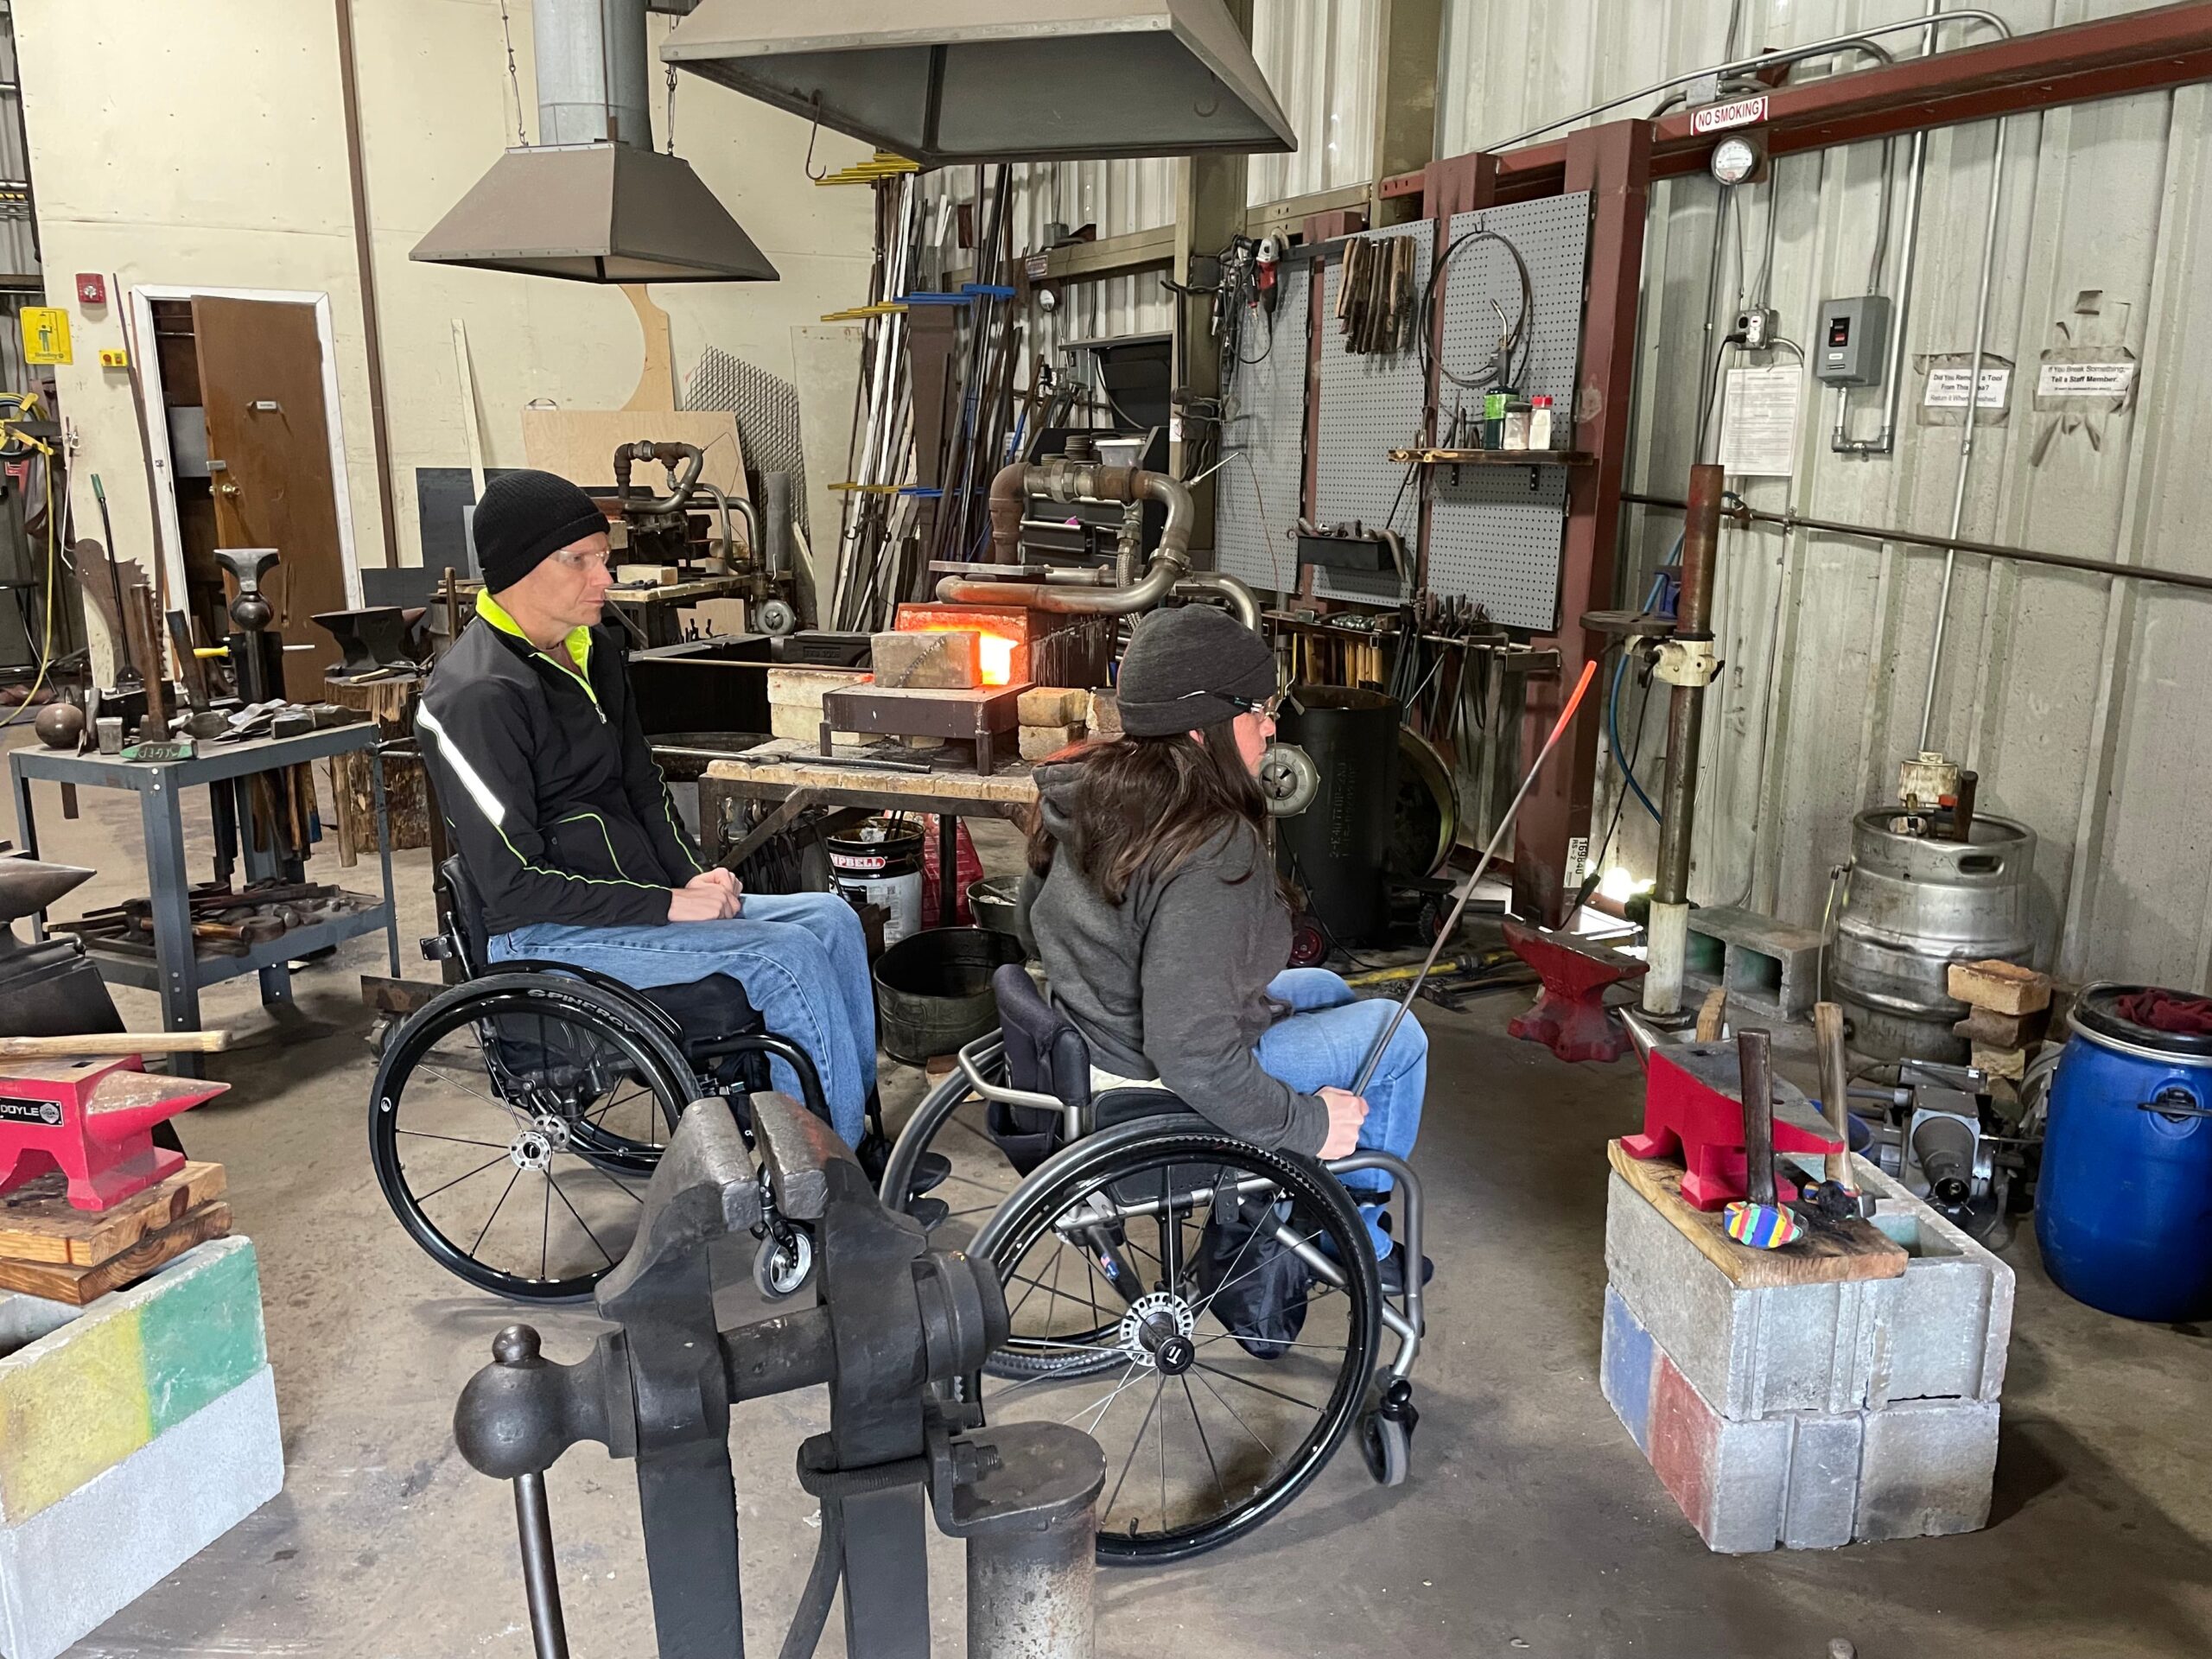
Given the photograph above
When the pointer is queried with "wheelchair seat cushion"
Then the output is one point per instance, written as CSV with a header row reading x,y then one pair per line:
x,y
1118,1106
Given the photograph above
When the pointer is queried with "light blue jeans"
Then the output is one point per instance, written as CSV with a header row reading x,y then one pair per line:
x,y
1324,1044
801,958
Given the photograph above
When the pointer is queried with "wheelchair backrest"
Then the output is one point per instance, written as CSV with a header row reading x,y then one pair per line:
x,y
1045,1053
464,916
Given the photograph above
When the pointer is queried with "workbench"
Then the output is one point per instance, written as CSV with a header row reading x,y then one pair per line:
x,y
797,776
177,971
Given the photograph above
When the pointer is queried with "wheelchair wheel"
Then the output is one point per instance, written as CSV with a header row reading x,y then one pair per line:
x,y
950,1121
1130,1260
513,1124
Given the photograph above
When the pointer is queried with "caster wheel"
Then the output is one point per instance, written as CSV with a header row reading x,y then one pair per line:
x,y
1386,1432
1309,946
780,1266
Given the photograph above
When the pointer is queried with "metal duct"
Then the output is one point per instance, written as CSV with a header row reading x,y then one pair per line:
x,y
593,201
944,81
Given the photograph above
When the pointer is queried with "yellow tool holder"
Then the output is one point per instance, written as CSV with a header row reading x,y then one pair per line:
x,y
862,312
882,165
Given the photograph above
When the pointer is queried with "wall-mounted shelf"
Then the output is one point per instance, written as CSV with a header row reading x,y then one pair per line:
x,y
1492,457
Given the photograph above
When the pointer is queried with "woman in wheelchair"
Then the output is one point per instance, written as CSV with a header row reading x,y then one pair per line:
x,y
1163,928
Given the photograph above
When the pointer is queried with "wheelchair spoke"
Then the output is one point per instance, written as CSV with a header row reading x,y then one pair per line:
x,y
1205,1445
545,1230
459,1141
581,1221
1308,1405
496,1208
1136,1444
1274,1342
455,1083
1238,1415
457,1180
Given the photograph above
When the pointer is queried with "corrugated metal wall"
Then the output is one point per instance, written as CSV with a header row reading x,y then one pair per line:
x,y
18,238
2080,702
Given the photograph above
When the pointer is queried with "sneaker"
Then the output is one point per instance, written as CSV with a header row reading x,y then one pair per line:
x,y
931,1168
1391,1271
932,1213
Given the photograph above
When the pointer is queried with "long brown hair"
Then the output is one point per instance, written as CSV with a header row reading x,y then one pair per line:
x,y
1149,802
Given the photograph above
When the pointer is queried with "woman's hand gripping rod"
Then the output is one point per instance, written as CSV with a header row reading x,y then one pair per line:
x,y
1452,925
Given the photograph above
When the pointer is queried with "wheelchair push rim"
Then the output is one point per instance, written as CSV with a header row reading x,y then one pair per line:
x,y
1207,1435
513,1124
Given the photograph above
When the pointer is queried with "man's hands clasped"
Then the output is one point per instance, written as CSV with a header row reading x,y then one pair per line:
x,y
711,896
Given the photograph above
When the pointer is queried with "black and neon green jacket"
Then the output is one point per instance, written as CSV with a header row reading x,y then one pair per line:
x,y
543,774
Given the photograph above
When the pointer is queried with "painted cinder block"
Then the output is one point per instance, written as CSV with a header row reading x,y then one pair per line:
x,y
1626,1358
98,1386
81,1559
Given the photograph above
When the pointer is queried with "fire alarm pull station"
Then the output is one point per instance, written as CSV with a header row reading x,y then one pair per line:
x,y
1853,334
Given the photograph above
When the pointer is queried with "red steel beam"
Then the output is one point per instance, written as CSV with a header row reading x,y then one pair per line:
x,y
1613,163
2111,57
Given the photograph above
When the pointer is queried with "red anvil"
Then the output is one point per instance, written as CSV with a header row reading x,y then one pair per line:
x,y
1694,1101
1570,1018
94,1119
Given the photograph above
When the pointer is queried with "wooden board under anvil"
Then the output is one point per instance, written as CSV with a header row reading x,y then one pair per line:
x,y
980,716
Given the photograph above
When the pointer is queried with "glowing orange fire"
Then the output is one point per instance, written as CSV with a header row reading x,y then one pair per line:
x,y
997,648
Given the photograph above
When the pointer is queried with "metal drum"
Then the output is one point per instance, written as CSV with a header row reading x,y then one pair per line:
x,y
1337,850
2124,1203
1914,906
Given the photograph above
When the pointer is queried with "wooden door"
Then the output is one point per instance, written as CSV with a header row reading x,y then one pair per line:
x,y
269,452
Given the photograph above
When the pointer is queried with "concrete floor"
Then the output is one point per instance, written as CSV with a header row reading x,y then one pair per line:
x,y
1531,1524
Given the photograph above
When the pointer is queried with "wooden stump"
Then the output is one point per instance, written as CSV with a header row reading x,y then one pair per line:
x,y
390,702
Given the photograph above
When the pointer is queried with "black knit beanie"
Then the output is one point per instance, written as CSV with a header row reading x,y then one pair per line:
x,y
523,517
1178,664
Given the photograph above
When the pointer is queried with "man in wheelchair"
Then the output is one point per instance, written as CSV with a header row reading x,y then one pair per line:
x,y
1163,928
565,825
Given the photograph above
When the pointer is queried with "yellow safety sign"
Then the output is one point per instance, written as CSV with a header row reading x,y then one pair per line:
x,y
46,334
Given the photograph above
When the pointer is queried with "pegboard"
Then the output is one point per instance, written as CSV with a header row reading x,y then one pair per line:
x,y
1495,533
1370,406
1257,492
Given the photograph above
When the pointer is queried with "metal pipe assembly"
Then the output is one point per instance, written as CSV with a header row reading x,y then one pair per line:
x,y
1688,664
1085,592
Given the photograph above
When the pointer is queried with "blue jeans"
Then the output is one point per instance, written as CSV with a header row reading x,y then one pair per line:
x,y
801,958
1324,1043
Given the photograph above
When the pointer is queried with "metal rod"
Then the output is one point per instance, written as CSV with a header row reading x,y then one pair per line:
x,y
1753,1055
1452,925
1767,61
541,1581
1792,520
1685,704
1973,410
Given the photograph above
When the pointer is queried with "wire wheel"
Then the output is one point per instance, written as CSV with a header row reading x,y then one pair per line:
x,y
513,1125
1130,1263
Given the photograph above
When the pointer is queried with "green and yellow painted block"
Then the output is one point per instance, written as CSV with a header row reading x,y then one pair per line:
x,y
131,1366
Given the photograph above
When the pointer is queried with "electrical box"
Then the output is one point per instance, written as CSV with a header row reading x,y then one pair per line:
x,y
1854,333
1760,326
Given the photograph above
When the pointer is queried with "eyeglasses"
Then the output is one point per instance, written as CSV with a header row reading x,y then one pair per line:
x,y
582,561
1266,707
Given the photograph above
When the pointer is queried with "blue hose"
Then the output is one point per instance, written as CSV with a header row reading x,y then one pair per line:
x,y
1614,701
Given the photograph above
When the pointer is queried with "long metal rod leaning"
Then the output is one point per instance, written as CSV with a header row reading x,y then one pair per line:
x,y
1452,925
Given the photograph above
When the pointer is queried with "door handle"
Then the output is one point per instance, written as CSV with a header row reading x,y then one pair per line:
x,y
227,487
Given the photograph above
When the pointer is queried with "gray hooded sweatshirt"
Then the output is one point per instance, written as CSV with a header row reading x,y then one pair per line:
x,y
1172,982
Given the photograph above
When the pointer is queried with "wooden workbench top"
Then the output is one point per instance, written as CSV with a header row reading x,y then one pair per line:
x,y
788,764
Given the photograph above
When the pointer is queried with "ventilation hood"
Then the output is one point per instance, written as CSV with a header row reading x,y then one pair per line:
x,y
944,81
602,212
594,202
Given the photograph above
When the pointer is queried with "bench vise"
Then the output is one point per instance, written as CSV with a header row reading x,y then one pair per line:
x,y
893,1318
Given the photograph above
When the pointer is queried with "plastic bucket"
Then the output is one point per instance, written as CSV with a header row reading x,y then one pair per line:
x,y
933,990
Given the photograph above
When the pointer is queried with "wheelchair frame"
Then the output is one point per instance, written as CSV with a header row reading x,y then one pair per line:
x,y
1405,1201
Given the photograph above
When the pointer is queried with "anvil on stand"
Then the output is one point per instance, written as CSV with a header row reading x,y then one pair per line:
x,y
1693,1107
93,1119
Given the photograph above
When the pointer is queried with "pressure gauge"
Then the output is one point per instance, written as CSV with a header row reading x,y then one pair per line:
x,y
1736,158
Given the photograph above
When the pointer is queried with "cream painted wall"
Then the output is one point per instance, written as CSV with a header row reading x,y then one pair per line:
x,y
209,150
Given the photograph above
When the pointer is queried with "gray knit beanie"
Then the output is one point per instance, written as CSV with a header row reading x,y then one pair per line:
x,y
1179,664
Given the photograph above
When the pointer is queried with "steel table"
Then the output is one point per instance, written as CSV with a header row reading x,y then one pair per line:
x,y
178,972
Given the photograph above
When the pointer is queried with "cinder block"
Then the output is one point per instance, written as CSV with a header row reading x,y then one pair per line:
x,y
950,659
1105,718
1054,705
2000,987
1766,964
1822,1503
2001,1062
1992,1030
1626,1358
1042,742
803,725
1927,1469
79,1561
1940,1332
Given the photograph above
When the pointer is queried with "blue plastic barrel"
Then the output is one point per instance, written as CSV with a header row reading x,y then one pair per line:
x,y
2124,1203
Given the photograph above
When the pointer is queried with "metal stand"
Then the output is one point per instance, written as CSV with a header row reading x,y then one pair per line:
x,y
894,1317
